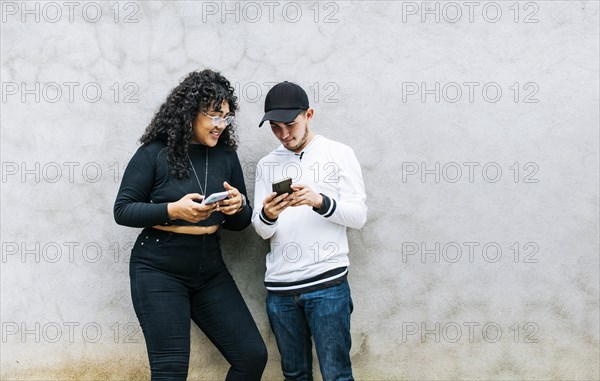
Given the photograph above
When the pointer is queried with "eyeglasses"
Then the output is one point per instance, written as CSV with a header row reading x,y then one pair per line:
x,y
217,120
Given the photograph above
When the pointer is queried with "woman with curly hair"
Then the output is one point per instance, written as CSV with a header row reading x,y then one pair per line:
x,y
176,270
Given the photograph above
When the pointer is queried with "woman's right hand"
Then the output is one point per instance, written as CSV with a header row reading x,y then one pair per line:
x,y
189,210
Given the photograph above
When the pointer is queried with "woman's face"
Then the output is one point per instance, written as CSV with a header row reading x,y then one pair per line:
x,y
203,130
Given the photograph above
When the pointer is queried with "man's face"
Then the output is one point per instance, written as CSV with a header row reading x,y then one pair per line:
x,y
294,135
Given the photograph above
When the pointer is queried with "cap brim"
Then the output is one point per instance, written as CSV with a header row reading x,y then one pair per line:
x,y
280,115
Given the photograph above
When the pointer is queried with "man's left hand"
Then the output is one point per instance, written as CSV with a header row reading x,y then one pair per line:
x,y
303,195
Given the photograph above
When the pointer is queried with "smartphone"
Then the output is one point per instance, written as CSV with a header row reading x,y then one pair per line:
x,y
283,186
215,197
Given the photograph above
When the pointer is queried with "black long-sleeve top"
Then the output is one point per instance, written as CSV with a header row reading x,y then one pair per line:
x,y
147,186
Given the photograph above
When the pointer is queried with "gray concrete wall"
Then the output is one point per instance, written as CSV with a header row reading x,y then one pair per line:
x,y
476,125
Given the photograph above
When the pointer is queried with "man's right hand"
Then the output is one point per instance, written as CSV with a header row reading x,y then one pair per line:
x,y
189,210
273,205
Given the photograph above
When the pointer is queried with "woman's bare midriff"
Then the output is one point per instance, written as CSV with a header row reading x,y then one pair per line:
x,y
196,230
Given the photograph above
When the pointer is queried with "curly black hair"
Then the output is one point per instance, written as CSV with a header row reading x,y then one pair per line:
x,y
173,122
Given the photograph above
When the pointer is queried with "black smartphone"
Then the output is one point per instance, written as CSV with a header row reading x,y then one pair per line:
x,y
283,186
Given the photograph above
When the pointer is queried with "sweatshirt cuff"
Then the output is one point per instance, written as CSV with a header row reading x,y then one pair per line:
x,y
238,221
328,206
265,219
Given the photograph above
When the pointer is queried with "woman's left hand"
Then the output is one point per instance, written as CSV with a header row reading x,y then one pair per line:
x,y
232,204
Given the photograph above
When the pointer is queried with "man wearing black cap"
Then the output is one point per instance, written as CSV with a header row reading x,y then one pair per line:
x,y
307,266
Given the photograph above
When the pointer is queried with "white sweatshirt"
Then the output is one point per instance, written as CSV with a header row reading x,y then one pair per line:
x,y
308,246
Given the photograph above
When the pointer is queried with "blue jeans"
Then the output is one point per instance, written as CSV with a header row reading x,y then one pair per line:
x,y
324,314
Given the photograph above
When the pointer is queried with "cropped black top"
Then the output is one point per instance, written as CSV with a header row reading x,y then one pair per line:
x,y
148,186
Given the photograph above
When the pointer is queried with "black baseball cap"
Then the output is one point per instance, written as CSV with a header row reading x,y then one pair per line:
x,y
284,102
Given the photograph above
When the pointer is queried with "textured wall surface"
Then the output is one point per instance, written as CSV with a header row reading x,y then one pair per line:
x,y
476,125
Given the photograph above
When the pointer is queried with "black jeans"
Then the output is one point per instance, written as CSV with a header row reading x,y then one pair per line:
x,y
178,277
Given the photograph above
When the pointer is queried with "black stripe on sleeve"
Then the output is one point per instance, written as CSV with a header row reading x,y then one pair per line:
x,y
325,207
334,205
266,219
